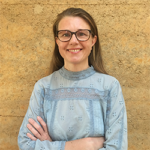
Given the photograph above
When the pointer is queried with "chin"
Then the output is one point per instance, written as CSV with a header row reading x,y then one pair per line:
x,y
75,61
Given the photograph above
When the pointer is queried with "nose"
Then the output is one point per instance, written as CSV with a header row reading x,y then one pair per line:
x,y
73,39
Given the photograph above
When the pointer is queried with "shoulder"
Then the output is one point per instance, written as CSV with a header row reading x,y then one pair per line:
x,y
46,81
107,82
105,77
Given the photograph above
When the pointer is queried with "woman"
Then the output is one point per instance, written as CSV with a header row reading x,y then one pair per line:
x,y
78,106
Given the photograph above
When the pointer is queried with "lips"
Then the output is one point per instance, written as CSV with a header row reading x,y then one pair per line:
x,y
74,50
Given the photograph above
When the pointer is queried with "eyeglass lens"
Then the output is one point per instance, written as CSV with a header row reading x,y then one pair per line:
x,y
81,35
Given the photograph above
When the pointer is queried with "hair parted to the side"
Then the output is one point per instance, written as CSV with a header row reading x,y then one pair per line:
x,y
95,57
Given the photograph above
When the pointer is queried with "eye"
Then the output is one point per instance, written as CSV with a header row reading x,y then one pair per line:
x,y
66,35
63,34
82,33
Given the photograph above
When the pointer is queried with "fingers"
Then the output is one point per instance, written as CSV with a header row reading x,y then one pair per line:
x,y
34,132
31,137
36,126
40,120
39,132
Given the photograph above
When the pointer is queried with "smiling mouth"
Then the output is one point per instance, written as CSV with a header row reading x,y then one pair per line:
x,y
74,50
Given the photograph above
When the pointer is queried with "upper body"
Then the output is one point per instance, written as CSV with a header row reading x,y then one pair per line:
x,y
78,100
75,106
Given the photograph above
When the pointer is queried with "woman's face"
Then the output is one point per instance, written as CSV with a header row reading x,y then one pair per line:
x,y
75,52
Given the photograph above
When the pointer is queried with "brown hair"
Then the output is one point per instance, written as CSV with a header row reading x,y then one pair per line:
x,y
95,57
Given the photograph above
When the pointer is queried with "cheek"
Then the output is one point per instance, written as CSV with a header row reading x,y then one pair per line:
x,y
62,49
62,46
88,45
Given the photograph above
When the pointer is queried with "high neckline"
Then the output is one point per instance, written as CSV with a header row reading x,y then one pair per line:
x,y
76,75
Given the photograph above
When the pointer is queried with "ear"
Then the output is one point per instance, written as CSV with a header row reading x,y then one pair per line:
x,y
94,39
56,39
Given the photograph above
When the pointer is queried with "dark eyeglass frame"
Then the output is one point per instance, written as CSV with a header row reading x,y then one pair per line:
x,y
90,32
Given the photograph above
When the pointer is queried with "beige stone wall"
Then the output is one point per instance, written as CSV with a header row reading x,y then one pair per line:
x,y
26,45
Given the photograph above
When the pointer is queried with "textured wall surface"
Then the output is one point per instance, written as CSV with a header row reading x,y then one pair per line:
x,y
26,45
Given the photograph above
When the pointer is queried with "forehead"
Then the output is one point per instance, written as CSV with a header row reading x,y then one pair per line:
x,y
73,23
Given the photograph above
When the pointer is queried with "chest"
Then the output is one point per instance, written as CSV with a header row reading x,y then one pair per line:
x,y
74,118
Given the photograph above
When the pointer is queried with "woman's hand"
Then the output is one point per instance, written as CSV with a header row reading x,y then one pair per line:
x,y
39,132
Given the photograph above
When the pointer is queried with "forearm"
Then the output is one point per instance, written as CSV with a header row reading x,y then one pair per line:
x,y
89,143
76,144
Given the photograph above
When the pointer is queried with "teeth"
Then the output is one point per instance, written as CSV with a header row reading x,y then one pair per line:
x,y
75,50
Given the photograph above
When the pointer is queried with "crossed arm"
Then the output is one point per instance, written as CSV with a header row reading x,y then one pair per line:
x,y
37,137
89,143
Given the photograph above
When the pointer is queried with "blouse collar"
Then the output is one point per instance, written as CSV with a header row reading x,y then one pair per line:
x,y
76,75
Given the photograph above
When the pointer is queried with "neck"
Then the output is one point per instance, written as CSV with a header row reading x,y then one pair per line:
x,y
75,67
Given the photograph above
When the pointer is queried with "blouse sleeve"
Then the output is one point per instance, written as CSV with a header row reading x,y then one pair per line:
x,y
116,120
36,109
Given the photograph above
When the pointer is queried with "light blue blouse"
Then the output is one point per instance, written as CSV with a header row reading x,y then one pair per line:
x,y
76,105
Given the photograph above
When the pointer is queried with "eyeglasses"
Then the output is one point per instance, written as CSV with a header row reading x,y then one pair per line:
x,y
66,35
